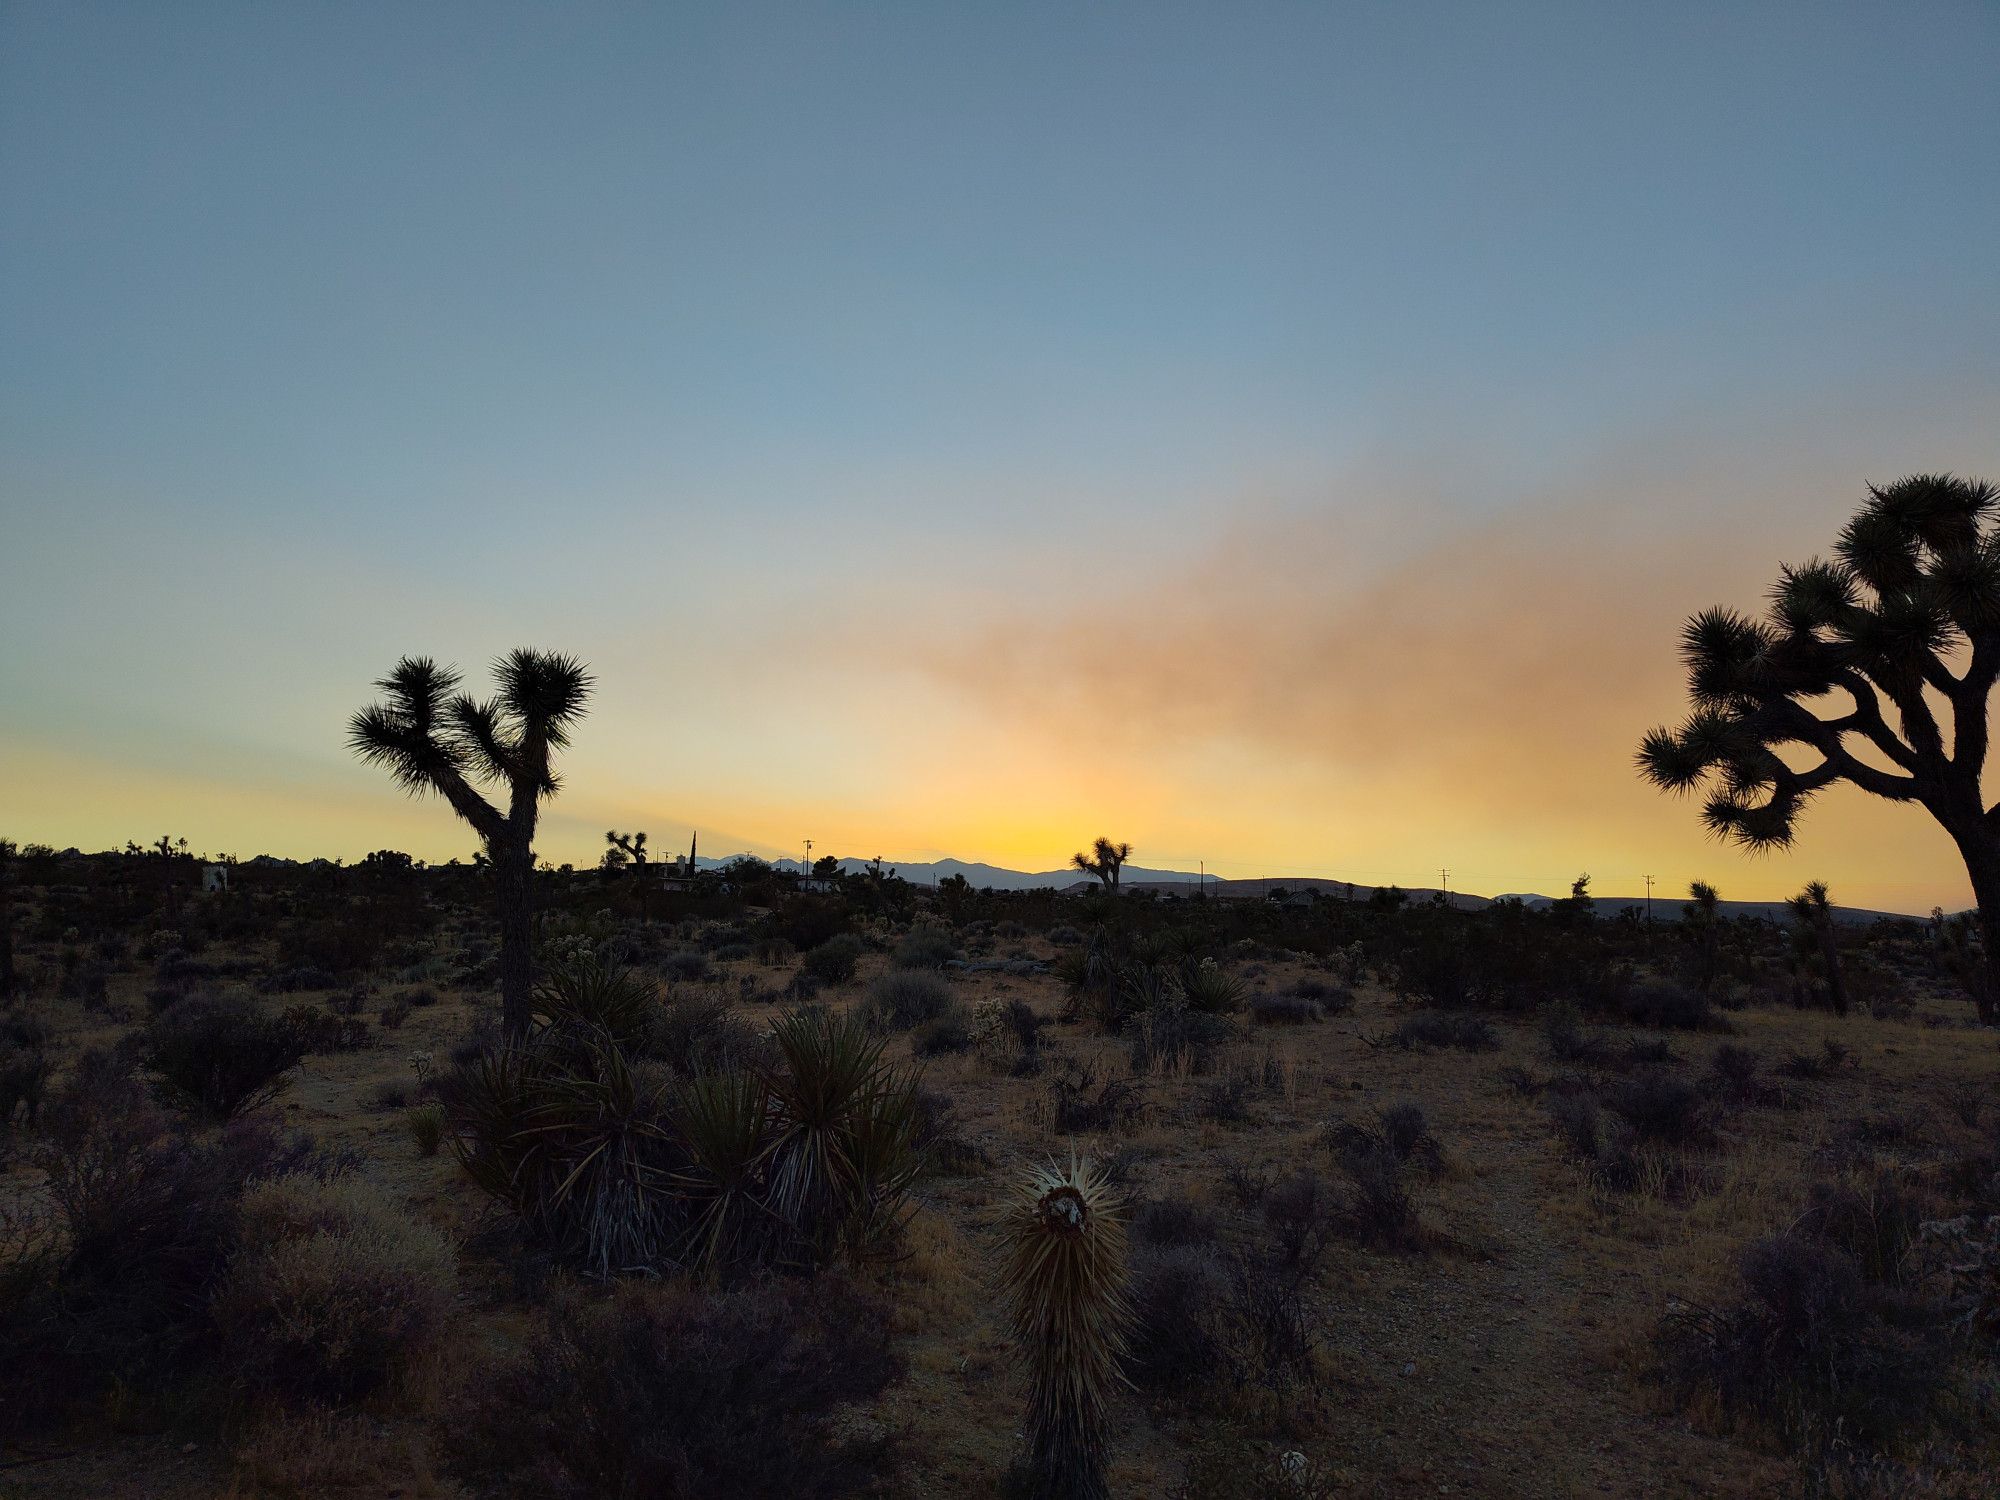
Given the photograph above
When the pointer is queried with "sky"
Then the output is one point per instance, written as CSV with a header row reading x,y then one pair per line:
x,y
1286,436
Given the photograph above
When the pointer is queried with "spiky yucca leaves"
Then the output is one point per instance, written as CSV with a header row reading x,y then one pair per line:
x,y
566,1133
1902,630
584,992
844,1151
432,738
725,1121
1064,1275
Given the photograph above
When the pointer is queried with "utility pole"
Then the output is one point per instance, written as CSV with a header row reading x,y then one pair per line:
x,y
1444,884
1649,900
806,869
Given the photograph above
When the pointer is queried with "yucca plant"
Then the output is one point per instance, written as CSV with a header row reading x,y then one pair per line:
x,y
724,1121
575,1141
1064,1275
1204,985
584,992
843,1148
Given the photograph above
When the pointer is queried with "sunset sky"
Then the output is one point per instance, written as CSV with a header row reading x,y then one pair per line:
x,y
1282,435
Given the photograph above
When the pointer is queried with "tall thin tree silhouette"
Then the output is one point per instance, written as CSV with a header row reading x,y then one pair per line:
x,y
432,739
1904,620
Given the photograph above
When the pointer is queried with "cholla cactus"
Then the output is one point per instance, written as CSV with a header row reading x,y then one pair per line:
x,y
1065,1277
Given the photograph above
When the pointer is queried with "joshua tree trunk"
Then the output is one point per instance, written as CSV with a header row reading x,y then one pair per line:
x,y
1982,863
514,884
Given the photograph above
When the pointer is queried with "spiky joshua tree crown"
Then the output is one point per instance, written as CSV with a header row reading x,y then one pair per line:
x,y
1903,621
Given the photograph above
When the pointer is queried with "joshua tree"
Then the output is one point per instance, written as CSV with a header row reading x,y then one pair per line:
x,y
632,846
1065,1278
432,739
1904,619
1704,926
1108,861
1815,951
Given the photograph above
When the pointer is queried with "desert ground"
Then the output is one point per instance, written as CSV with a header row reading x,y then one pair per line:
x,y
1489,1322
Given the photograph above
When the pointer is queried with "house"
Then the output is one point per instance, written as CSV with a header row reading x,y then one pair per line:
x,y
214,878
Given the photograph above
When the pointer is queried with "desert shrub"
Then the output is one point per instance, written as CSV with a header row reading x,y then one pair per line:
x,y
688,966
1408,1133
835,960
1062,935
950,1032
220,1056
1283,1010
1169,1037
421,998
1378,1209
925,947
1578,1122
1736,1077
1662,1108
112,1284
1635,1054
24,1069
426,1126
1873,1221
319,1033
1270,1332
1180,1296
390,1096
942,1139
1811,1347
900,999
86,983
695,1032
1019,1019
296,977
1226,1100
1332,999
661,1391
1434,1028
394,1014
1668,1005
332,1290
1299,1211
1174,1221
1565,1037
1078,1103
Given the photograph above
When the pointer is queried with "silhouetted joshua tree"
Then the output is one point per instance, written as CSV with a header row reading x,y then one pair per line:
x,y
1108,861
1816,976
632,846
1703,924
432,739
1904,619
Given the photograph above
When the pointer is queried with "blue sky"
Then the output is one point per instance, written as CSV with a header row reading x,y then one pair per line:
x,y
694,338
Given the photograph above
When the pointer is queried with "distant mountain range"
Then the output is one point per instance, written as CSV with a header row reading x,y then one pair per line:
x,y
1188,882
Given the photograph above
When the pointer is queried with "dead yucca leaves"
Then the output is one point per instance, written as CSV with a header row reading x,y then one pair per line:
x,y
1065,1277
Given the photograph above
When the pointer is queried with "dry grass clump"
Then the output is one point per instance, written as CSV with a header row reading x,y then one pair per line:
x,y
333,1290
